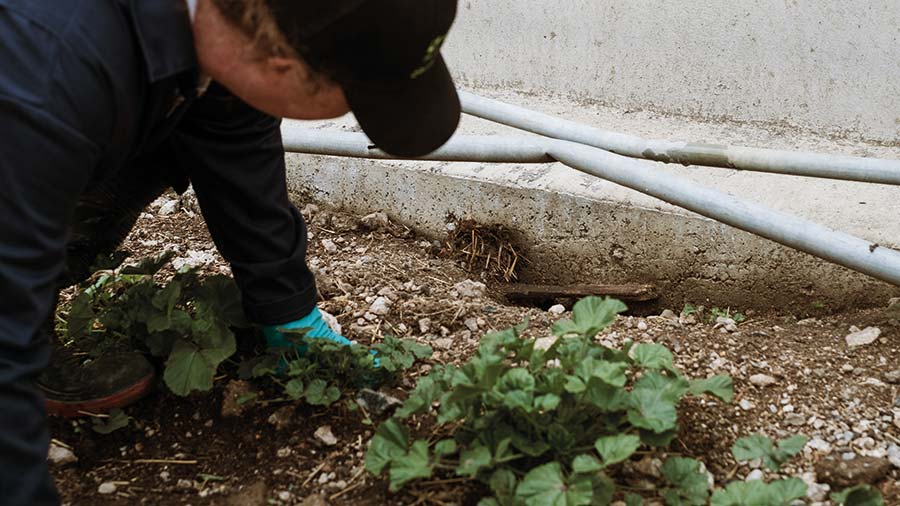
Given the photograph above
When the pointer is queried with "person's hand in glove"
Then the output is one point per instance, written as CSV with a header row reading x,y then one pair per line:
x,y
318,329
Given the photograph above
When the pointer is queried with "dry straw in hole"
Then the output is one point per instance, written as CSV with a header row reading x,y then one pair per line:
x,y
486,249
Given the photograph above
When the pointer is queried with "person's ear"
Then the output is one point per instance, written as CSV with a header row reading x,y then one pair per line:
x,y
281,64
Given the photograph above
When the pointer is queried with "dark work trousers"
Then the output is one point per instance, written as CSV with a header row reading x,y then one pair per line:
x,y
103,218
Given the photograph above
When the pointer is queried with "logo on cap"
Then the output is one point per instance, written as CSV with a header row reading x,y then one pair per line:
x,y
428,59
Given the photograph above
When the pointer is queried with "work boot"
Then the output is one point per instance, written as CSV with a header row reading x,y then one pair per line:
x,y
75,385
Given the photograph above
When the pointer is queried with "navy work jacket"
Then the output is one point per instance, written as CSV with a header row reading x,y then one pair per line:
x,y
91,88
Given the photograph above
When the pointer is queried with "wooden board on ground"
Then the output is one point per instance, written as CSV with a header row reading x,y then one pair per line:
x,y
637,292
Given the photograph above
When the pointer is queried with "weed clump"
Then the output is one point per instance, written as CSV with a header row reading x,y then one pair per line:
x,y
489,250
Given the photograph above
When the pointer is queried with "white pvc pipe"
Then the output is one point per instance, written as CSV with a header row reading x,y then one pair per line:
x,y
784,228
460,148
844,249
850,168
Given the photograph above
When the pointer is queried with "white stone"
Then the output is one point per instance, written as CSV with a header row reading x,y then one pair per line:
x,y
388,292
193,260
746,405
60,455
557,309
469,288
107,488
544,343
329,245
874,382
762,380
863,337
324,435
893,455
168,208
875,453
443,343
375,220
722,321
819,445
668,314
325,478
817,492
755,474
892,376
381,306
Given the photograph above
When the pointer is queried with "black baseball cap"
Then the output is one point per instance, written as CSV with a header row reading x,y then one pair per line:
x,y
385,54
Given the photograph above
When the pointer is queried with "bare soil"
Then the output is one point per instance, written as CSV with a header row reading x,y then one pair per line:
x,y
185,451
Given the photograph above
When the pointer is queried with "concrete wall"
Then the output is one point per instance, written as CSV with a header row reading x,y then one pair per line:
x,y
826,66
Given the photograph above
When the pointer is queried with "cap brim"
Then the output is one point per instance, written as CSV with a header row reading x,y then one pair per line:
x,y
411,119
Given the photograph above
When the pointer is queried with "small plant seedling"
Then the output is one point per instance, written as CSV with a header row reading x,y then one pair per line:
x,y
206,478
726,313
860,495
115,420
688,310
319,370
758,446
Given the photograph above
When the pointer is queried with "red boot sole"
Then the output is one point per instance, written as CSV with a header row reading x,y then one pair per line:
x,y
119,399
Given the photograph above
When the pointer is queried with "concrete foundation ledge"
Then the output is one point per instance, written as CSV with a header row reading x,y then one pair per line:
x,y
578,229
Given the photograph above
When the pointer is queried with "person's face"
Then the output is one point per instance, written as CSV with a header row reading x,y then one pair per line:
x,y
282,87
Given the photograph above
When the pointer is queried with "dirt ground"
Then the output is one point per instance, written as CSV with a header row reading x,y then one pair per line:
x,y
806,380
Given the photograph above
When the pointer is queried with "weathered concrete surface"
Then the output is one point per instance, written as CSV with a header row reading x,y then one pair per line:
x,y
828,67
579,229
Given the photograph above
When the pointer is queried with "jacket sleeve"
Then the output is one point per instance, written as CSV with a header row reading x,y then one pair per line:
x,y
235,159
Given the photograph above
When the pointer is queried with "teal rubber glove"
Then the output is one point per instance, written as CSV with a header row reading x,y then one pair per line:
x,y
318,329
